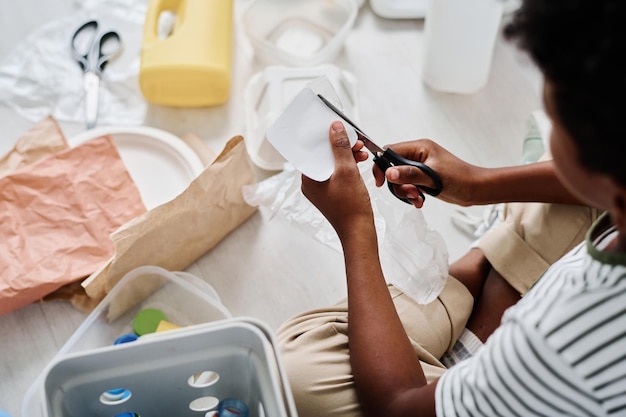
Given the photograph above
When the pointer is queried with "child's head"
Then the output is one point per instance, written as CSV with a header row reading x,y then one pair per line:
x,y
579,46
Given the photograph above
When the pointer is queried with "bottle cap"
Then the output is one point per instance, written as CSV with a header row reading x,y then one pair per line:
x,y
147,321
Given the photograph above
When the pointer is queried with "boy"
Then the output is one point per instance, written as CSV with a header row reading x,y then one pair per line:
x,y
561,349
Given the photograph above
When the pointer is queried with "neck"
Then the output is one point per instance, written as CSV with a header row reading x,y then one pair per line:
x,y
618,244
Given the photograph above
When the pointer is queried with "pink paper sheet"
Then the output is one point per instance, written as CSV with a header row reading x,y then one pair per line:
x,y
56,216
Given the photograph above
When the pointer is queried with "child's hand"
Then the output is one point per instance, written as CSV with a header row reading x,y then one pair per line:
x,y
343,199
458,177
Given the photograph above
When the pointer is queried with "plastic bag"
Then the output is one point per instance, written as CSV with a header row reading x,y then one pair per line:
x,y
414,257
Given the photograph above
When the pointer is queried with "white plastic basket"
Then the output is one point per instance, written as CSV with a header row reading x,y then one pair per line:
x,y
157,372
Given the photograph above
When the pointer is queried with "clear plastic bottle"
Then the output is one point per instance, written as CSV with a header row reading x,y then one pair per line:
x,y
534,146
459,38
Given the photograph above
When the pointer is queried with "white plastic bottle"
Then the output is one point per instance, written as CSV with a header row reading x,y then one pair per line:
x,y
459,38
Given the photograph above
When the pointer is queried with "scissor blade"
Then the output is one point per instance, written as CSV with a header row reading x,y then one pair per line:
x,y
369,144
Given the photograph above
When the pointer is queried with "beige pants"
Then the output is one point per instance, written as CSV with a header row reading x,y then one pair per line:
x,y
532,237
314,345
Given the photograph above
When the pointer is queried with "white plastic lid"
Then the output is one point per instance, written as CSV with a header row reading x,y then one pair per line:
x,y
269,91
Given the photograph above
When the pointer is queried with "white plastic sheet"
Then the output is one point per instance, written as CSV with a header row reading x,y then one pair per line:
x,y
39,78
414,257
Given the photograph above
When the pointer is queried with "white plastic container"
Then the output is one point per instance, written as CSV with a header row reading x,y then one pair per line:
x,y
459,38
182,372
269,91
399,9
208,340
416,9
184,298
298,32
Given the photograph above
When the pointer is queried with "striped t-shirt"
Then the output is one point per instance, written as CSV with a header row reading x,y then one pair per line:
x,y
560,351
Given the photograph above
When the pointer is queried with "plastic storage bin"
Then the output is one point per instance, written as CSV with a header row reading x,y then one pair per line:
x,y
268,92
239,351
179,373
184,298
298,32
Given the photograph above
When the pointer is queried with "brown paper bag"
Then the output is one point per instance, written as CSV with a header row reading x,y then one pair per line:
x,y
178,232
42,140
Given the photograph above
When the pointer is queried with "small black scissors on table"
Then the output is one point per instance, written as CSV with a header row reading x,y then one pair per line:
x,y
387,158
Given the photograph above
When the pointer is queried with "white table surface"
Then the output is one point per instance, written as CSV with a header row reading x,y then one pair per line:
x,y
266,269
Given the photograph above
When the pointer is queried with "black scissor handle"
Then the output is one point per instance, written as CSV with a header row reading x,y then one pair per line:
x,y
384,164
93,49
82,42
389,158
106,46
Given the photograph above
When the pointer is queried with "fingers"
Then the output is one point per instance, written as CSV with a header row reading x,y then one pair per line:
x,y
402,175
407,191
360,156
357,151
339,142
417,202
379,176
406,174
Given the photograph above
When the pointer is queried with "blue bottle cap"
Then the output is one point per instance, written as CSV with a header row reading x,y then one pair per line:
x,y
125,338
232,407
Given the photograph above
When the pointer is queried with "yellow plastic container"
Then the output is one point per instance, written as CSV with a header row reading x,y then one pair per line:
x,y
192,66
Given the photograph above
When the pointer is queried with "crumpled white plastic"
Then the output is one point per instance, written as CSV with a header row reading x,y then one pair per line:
x,y
413,256
39,77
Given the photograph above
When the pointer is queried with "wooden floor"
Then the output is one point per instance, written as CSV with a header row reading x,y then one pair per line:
x,y
268,268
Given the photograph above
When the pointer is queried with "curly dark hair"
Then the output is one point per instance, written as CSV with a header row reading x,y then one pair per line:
x,y
580,47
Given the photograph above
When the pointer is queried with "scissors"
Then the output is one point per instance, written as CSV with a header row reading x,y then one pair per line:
x,y
387,158
92,50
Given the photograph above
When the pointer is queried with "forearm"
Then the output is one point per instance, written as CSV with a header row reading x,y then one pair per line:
x,y
382,358
533,182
